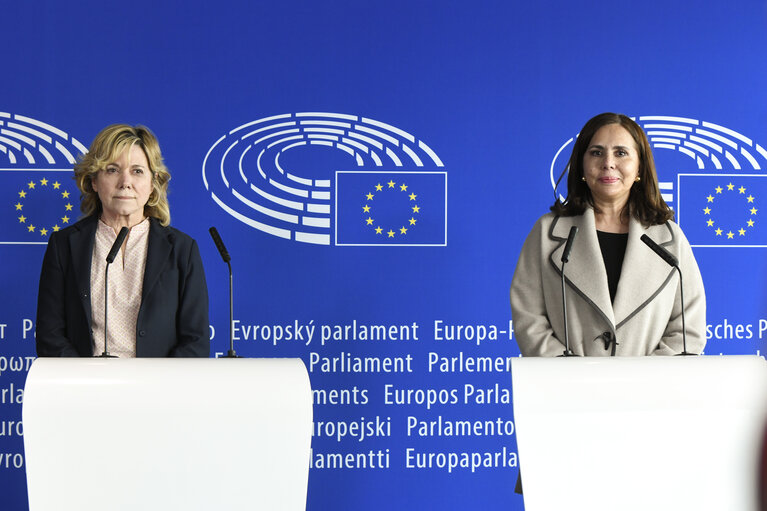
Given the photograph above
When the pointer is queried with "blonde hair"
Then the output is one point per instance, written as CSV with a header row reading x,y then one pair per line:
x,y
108,145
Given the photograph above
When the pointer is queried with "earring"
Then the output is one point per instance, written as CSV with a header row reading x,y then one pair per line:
x,y
583,178
637,179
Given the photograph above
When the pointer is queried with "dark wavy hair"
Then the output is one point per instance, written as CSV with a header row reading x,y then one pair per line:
x,y
645,202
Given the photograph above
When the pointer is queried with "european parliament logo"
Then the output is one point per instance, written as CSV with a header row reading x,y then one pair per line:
x,y
38,194
330,179
713,190
723,209
391,208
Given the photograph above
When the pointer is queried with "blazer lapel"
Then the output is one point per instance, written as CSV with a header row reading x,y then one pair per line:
x,y
158,250
81,248
585,272
643,273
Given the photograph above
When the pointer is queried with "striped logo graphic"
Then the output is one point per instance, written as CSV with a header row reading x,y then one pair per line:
x,y
38,193
305,177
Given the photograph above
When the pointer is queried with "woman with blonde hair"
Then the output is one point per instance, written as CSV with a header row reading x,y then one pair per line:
x,y
158,298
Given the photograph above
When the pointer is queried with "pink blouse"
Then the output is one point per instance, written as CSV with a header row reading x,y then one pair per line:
x,y
126,279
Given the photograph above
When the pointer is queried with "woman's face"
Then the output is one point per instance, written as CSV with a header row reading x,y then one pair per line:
x,y
124,186
611,165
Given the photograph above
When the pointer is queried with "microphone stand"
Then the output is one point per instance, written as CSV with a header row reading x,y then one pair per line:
x,y
110,259
674,263
684,327
227,258
566,257
568,352
231,353
105,353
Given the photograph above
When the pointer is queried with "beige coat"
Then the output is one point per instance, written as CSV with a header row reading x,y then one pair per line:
x,y
646,316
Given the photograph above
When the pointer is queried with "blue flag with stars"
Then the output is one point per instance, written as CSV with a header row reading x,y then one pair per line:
x,y
36,203
723,209
391,208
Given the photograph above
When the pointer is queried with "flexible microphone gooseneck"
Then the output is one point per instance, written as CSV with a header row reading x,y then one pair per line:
x,y
110,259
672,261
226,257
566,257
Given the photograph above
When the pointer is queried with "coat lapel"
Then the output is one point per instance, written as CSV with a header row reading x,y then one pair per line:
x,y
585,271
643,273
158,250
81,248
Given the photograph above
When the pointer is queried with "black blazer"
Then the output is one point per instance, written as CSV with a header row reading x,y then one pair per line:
x,y
173,317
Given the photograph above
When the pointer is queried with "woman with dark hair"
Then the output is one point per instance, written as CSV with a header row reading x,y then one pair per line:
x,y
623,299
158,299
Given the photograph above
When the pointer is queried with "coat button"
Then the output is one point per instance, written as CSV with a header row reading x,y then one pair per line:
x,y
141,333
607,338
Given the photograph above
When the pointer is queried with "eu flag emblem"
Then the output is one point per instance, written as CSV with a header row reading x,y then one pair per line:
x,y
723,209
391,208
37,203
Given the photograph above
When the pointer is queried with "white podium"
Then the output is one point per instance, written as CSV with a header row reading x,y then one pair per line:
x,y
650,433
164,434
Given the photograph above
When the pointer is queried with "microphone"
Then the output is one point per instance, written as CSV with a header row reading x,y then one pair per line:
x,y
565,258
662,252
110,259
117,245
672,261
226,257
569,244
219,245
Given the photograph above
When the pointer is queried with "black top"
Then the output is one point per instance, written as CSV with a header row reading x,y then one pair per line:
x,y
613,247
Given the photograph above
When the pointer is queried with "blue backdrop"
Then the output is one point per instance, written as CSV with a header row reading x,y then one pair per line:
x,y
282,121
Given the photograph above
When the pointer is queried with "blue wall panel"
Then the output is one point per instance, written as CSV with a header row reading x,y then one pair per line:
x,y
493,90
